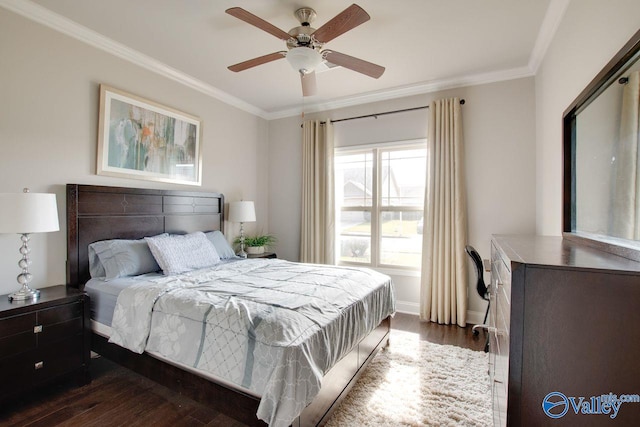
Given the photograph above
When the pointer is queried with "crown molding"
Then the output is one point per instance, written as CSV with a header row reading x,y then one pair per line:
x,y
44,16
404,91
550,23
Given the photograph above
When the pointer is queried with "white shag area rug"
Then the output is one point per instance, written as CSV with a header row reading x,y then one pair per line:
x,y
418,383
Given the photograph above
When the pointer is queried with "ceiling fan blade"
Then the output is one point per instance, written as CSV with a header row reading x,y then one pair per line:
x,y
252,19
257,61
309,87
346,20
355,64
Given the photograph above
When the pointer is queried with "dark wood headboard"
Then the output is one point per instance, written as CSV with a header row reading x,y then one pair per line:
x,y
99,213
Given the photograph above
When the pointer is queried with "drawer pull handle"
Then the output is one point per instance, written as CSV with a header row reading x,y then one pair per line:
x,y
37,329
497,381
39,365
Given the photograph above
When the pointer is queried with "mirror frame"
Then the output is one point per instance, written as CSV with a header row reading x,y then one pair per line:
x,y
602,81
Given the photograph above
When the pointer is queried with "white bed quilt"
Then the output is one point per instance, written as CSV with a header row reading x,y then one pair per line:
x,y
270,326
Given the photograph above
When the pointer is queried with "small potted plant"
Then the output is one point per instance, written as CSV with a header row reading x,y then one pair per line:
x,y
256,244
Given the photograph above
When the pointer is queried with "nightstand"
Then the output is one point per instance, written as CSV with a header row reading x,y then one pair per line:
x,y
263,255
43,340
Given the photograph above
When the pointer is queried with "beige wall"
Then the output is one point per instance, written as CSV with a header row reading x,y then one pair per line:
x,y
499,129
48,125
48,133
590,34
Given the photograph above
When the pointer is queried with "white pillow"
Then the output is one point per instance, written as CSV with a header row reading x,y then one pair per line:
x,y
179,253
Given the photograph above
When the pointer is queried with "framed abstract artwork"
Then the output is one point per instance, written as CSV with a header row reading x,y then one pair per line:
x,y
141,139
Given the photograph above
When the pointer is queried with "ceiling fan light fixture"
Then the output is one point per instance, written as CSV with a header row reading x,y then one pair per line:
x,y
304,59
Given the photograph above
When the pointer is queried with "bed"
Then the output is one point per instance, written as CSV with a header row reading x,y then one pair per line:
x,y
98,213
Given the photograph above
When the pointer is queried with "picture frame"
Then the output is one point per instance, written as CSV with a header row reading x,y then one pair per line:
x,y
141,139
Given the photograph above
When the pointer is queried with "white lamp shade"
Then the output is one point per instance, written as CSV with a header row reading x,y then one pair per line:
x,y
28,213
304,59
242,212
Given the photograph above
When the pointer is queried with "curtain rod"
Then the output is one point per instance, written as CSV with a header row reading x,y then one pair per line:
x,y
462,101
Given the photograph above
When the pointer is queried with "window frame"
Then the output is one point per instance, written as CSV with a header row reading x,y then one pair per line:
x,y
376,209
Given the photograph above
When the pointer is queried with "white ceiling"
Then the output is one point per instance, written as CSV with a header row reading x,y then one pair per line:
x,y
425,45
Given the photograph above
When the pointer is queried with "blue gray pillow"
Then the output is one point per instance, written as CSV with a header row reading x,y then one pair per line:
x,y
120,258
222,246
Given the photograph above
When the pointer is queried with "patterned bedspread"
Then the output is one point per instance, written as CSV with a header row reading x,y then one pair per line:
x,y
270,326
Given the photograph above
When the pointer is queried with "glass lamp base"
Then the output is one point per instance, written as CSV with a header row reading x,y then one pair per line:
x,y
26,293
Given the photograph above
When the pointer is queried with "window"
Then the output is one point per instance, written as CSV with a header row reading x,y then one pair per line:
x,y
380,201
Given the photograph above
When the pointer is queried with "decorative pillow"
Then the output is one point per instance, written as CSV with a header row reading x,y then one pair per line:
x,y
121,258
179,253
224,250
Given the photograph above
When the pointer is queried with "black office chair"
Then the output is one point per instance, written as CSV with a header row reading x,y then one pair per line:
x,y
481,287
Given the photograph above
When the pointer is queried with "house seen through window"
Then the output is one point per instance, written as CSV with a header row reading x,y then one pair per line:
x,y
380,202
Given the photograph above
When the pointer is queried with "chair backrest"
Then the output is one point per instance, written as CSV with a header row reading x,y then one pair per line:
x,y
477,262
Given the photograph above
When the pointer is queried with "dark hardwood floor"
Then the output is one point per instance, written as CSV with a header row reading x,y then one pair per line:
x,y
439,334
118,397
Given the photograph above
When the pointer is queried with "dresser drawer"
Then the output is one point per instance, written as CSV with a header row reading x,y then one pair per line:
x,y
495,406
503,310
500,336
493,347
502,279
499,405
502,361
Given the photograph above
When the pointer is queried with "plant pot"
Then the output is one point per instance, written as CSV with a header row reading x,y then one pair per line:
x,y
254,250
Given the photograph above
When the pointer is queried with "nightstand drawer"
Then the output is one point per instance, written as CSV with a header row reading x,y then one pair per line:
x,y
24,370
17,324
53,333
53,360
59,314
16,334
59,322
16,344
43,339
25,332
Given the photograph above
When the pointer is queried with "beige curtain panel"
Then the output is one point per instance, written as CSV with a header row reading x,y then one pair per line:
x,y
443,291
317,241
626,192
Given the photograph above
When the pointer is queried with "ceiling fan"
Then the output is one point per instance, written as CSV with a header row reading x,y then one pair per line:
x,y
305,44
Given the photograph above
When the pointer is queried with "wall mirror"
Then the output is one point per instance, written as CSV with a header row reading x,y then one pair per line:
x,y
602,158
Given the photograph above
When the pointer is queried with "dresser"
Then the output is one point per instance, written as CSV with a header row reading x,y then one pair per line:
x,y
565,325
43,340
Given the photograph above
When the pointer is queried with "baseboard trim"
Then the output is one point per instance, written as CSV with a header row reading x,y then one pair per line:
x,y
475,317
407,307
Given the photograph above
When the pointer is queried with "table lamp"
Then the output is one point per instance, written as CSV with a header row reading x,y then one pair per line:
x,y
242,212
25,213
